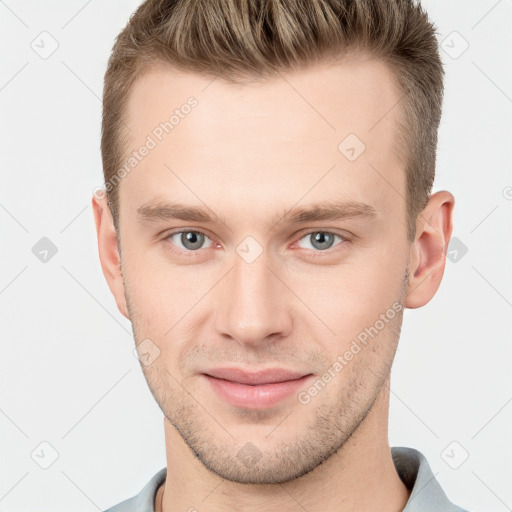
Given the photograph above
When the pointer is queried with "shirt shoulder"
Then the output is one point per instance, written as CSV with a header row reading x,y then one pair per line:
x,y
411,465
145,500
426,492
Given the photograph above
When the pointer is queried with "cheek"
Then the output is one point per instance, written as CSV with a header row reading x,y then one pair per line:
x,y
165,301
155,285
351,296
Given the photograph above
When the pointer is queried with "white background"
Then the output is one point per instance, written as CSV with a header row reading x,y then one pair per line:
x,y
68,374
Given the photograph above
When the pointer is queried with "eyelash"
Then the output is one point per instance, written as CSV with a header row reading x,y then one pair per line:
x,y
191,254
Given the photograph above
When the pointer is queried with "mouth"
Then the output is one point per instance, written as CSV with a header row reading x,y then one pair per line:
x,y
255,390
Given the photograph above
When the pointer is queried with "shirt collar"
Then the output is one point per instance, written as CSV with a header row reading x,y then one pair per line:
x,y
426,493
412,468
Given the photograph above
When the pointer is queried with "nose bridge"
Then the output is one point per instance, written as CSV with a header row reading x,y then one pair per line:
x,y
251,306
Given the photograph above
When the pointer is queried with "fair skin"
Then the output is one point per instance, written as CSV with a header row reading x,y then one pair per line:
x,y
247,154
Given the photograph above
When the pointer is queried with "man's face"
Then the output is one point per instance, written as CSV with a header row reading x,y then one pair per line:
x,y
254,288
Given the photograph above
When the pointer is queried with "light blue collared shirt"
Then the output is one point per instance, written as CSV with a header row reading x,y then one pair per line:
x,y
412,467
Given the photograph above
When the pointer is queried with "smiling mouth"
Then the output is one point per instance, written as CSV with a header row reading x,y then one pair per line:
x,y
259,391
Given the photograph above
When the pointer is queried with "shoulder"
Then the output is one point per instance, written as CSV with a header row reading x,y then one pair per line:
x,y
426,492
145,500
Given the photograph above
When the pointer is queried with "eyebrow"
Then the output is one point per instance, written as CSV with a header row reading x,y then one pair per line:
x,y
325,211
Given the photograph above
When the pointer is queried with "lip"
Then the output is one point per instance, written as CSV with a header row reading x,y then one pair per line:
x,y
255,390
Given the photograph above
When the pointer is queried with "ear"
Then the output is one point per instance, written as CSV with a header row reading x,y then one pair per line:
x,y
428,250
108,251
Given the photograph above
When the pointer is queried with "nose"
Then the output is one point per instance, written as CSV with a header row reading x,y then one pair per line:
x,y
253,305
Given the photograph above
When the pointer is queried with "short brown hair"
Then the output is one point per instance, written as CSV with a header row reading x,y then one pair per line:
x,y
240,39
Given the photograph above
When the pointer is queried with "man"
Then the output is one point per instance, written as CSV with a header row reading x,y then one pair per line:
x,y
268,216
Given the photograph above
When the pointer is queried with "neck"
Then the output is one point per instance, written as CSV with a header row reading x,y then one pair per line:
x,y
360,477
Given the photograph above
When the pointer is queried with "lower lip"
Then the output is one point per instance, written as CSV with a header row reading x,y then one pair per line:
x,y
255,397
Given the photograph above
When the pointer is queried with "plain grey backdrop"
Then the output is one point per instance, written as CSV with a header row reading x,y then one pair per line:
x,y
80,429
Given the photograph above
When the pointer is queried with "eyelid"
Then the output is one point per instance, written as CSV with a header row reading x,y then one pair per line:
x,y
299,236
310,231
180,251
168,234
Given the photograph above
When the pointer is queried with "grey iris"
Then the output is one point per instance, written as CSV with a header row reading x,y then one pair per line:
x,y
321,240
192,240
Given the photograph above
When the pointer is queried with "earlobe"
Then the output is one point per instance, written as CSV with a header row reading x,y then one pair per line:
x,y
428,250
110,258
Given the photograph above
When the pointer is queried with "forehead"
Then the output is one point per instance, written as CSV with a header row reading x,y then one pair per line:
x,y
328,131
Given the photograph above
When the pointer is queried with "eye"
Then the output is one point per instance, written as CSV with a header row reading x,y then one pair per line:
x,y
189,241
320,240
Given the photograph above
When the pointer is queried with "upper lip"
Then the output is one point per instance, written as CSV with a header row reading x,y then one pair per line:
x,y
266,376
